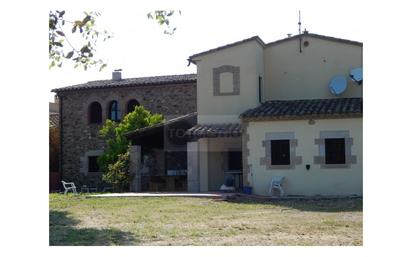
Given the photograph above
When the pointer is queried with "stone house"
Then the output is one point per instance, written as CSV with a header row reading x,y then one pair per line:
x,y
270,110
84,108
253,111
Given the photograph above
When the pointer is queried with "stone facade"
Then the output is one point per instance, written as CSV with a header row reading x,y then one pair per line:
x,y
79,137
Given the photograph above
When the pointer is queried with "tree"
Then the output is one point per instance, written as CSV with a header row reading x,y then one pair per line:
x,y
163,18
115,158
62,46
118,173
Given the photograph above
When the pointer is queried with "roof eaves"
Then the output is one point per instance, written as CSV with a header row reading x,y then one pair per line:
x,y
162,124
257,38
124,83
302,117
334,39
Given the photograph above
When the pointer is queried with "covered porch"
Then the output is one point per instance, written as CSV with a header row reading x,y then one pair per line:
x,y
215,157
158,156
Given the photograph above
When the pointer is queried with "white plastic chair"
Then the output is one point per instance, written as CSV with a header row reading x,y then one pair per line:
x,y
276,183
69,186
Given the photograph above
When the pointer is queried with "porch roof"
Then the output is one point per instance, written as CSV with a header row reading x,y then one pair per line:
x,y
306,109
215,130
157,132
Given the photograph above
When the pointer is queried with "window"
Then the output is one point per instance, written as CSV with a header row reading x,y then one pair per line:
x,y
95,113
280,152
114,112
335,151
235,160
93,166
226,80
131,105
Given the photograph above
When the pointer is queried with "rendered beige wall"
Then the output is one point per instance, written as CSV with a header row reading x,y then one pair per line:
x,y
286,74
290,74
226,108
299,181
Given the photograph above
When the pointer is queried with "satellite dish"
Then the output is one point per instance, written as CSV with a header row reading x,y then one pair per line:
x,y
338,85
356,75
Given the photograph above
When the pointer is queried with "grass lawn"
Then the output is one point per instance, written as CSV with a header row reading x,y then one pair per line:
x,y
77,220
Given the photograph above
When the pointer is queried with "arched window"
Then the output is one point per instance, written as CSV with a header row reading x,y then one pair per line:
x,y
114,112
131,105
95,113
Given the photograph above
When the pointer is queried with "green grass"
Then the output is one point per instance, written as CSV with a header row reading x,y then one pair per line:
x,y
77,220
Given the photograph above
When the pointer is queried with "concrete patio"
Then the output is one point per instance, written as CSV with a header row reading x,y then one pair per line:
x,y
215,195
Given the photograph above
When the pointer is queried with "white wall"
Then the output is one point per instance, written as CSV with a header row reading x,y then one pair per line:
x,y
299,181
226,108
286,73
290,74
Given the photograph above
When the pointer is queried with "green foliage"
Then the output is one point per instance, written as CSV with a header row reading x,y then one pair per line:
x,y
163,19
60,46
117,145
62,33
118,172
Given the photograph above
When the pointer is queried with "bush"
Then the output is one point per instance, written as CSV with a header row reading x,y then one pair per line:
x,y
118,173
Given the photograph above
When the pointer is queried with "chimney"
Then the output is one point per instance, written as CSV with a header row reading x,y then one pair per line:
x,y
305,31
117,75
289,34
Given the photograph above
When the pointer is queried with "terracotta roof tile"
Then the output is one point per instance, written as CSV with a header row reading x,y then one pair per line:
x,y
303,109
156,80
215,130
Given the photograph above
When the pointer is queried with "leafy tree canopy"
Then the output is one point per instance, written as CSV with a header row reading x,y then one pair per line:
x,y
78,40
81,50
163,19
112,162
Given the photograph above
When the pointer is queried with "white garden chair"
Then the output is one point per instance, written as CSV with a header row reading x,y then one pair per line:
x,y
69,186
276,183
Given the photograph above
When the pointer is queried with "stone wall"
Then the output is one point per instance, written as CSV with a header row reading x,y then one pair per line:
x,y
80,137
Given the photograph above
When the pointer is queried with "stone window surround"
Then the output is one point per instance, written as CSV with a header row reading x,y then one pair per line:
x,y
89,114
105,104
126,103
349,158
235,70
84,160
293,143
119,108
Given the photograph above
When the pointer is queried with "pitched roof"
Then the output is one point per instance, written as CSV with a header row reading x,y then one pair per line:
x,y
260,41
257,38
215,130
334,39
306,109
187,118
155,80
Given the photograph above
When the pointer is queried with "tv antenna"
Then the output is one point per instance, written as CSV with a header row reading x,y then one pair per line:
x,y
300,37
